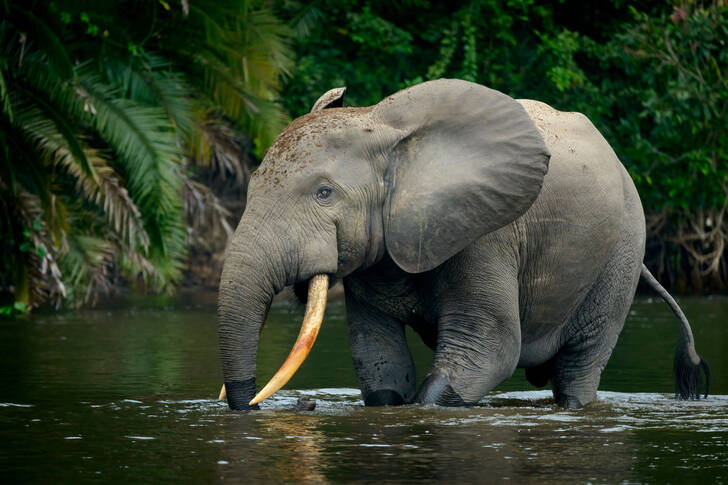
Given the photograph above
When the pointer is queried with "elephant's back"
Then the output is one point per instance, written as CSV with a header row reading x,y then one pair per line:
x,y
583,167
573,227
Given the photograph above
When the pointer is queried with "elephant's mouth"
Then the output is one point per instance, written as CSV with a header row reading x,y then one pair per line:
x,y
315,306
300,289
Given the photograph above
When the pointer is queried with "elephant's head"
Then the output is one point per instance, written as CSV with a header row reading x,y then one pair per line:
x,y
419,176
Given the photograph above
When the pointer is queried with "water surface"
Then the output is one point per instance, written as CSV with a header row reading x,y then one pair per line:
x,y
126,393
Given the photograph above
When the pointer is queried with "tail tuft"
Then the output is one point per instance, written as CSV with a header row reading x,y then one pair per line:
x,y
688,363
688,375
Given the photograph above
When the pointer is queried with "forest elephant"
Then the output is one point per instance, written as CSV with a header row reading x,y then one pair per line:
x,y
504,232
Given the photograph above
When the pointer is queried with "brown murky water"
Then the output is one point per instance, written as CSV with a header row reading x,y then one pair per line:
x,y
127,394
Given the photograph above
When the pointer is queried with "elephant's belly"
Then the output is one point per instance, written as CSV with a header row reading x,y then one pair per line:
x,y
549,300
554,288
539,350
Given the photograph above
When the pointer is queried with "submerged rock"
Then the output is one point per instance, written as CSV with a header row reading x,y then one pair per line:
x,y
305,403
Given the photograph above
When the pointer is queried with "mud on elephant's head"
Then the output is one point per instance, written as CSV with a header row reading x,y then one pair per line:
x,y
419,176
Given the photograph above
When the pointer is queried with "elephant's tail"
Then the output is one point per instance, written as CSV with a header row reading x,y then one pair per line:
x,y
688,363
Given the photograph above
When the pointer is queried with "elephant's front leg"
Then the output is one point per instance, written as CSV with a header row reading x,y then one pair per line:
x,y
478,345
382,360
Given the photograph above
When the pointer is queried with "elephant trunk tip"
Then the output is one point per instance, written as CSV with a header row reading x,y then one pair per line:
x,y
238,393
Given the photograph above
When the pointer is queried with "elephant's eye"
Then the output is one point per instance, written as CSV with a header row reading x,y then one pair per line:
x,y
323,193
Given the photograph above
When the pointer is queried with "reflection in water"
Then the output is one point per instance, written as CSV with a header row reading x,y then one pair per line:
x,y
128,396
290,444
518,435
521,436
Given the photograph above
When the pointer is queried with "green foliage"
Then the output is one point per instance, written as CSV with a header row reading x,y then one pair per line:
x,y
106,108
345,43
564,72
103,107
234,53
657,90
677,133
674,135
376,48
17,308
651,77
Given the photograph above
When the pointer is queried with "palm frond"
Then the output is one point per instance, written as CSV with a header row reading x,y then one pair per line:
x,y
145,141
93,181
33,119
241,55
307,18
226,153
206,214
109,193
135,266
7,108
150,80
42,279
104,188
87,267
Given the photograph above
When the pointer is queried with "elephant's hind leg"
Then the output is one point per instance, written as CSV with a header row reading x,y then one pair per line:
x,y
593,330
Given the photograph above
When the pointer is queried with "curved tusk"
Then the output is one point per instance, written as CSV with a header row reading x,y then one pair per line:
x,y
317,289
223,393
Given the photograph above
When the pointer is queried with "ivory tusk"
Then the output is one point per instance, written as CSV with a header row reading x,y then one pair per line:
x,y
223,393
317,289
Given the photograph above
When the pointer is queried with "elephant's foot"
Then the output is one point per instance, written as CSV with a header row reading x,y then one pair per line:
x,y
436,389
384,397
568,402
574,386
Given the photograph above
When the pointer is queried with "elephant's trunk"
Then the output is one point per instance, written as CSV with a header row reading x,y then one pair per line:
x,y
263,259
250,278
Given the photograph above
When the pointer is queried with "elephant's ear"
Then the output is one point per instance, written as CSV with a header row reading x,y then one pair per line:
x,y
469,160
333,98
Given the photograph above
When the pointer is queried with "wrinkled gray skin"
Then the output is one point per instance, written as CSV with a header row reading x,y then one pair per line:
x,y
506,233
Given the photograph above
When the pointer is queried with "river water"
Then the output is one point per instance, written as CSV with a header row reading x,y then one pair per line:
x,y
126,393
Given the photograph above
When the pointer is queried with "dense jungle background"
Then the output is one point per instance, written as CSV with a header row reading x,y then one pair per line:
x,y
128,129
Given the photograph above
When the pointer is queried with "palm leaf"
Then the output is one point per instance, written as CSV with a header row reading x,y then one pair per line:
x,y
239,54
148,156
206,214
150,80
96,179
87,266
145,142
42,276
306,19
5,98
64,129
109,194
92,154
